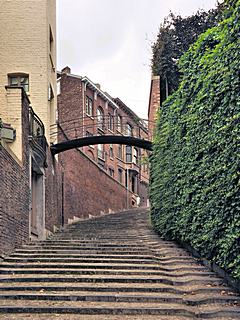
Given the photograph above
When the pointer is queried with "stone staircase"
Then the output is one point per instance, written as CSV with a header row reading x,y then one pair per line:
x,y
111,267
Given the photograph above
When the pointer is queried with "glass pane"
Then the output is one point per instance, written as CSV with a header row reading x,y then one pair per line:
x,y
24,83
13,81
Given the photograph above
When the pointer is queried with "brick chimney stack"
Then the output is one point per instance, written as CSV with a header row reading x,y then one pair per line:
x,y
154,104
66,70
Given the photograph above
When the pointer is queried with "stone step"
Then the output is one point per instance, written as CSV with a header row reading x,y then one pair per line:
x,y
108,279
58,316
184,290
85,246
56,270
82,260
119,308
188,300
180,269
145,251
111,267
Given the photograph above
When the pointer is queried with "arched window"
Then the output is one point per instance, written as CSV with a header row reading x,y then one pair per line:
x,y
110,121
129,130
119,123
100,118
135,156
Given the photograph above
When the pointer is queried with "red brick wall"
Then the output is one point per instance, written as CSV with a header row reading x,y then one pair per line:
x,y
154,104
88,189
72,88
14,193
53,194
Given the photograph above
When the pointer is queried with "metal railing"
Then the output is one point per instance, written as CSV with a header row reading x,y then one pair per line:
x,y
36,129
84,126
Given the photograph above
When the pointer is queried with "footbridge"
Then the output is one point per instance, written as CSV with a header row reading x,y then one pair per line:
x,y
84,131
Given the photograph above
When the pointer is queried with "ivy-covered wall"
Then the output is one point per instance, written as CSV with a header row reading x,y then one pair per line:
x,y
195,167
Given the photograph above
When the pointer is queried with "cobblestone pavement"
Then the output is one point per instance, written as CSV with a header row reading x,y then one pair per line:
x,y
111,267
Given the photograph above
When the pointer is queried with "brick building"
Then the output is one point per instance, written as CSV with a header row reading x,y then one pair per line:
x,y
30,199
39,192
85,110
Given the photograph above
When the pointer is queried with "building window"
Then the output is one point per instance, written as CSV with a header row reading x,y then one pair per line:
x,y
111,172
129,130
119,123
100,151
110,121
120,175
58,87
100,118
89,106
50,39
111,151
128,154
17,80
50,92
133,184
135,156
120,151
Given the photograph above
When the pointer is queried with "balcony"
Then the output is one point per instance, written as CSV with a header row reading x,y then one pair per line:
x,y
37,138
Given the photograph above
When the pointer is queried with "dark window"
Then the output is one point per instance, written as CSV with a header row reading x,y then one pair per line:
x,y
110,121
133,183
120,175
50,39
111,151
128,154
50,92
17,80
89,106
111,172
120,151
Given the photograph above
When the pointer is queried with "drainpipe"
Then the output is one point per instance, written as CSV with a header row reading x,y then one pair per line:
x,y
62,215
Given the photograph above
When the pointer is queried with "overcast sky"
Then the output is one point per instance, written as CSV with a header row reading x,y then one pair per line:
x,y
109,41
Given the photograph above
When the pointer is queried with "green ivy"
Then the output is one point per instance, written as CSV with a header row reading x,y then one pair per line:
x,y
195,167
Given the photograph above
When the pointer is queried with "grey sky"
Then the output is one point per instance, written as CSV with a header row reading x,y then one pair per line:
x,y
109,41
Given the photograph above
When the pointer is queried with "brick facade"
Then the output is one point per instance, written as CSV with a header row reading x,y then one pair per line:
x,y
84,169
88,189
14,191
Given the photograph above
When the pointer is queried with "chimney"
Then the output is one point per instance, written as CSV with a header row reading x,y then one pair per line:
x,y
98,85
66,70
154,104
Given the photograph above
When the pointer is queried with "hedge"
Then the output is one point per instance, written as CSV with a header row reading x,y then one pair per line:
x,y
195,166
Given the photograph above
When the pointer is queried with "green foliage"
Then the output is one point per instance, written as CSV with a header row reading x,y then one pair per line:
x,y
175,36
195,167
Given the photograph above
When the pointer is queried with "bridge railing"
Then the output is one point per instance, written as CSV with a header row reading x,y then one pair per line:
x,y
88,126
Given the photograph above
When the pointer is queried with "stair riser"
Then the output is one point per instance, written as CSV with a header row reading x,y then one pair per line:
x,y
108,280
95,272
